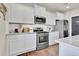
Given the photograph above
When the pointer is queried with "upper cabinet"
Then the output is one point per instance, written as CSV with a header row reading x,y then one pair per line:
x,y
19,13
39,11
22,14
59,16
50,18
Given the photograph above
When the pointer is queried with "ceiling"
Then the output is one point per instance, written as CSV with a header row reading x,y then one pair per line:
x,y
56,6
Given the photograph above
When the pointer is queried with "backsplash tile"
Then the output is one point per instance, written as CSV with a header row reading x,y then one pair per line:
x,y
45,27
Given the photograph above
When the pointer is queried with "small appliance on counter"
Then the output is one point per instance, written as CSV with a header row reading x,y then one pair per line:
x,y
42,38
49,29
16,30
26,29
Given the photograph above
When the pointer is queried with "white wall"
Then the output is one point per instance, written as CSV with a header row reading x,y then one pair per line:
x,y
12,27
2,36
7,16
68,15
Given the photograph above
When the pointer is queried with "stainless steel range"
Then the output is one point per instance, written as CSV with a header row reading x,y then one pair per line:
x,y
42,39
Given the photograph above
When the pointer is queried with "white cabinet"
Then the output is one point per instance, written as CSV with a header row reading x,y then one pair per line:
x,y
16,44
28,15
52,37
59,16
21,14
66,49
50,18
30,42
39,11
15,12
20,43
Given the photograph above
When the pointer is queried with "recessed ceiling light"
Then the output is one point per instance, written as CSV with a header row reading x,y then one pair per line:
x,y
67,7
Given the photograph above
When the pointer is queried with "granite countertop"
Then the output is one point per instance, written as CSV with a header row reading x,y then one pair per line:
x,y
20,33
74,40
25,33
53,31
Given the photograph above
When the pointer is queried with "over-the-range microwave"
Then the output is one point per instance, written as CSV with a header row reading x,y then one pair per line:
x,y
39,20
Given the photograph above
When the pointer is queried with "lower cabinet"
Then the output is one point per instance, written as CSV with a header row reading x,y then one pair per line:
x,y
18,44
52,37
30,42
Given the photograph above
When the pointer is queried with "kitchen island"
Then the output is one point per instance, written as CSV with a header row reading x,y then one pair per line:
x,y
69,46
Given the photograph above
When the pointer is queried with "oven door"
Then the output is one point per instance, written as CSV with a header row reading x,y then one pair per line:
x,y
42,38
42,41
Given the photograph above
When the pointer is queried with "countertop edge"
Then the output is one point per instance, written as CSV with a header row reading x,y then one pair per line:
x,y
20,33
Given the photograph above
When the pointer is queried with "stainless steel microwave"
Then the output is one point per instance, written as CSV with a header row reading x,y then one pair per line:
x,y
39,20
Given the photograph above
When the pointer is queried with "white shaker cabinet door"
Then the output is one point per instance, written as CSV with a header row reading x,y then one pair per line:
x,y
56,35
50,18
53,18
16,44
30,42
16,13
59,16
52,37
39,10
28,15
21,14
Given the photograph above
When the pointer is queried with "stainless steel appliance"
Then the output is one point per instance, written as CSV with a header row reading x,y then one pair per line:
x,y
75,25
42,39
39,20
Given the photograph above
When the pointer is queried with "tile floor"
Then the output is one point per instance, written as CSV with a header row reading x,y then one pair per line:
x,y
50,51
